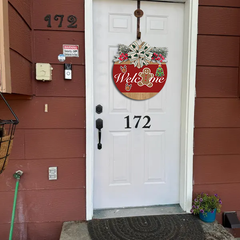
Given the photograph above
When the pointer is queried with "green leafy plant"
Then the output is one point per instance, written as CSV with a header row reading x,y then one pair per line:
x,y
204,203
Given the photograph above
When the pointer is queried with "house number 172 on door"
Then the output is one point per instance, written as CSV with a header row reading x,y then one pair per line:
x,y
146,125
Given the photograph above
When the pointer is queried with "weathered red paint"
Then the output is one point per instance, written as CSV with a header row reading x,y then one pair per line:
x,y
24,8
217,112
59,87
33,231
209,141
217,109
49,44
57,138
222,3
21,74
44,205
54,143
20,35
227,167
37,174
45,139
221,21
222,51
63,112
66,8
218,85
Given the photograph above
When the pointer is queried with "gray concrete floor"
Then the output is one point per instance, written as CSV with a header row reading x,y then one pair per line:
x,y
139,211
75,231
79,231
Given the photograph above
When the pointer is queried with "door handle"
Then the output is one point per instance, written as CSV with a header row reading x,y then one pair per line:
x,y
99,126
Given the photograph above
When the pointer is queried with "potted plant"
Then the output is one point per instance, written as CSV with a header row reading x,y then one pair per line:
x,y
206,206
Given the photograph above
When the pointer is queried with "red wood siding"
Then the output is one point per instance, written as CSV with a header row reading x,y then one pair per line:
x,y
39,175
45,139
49,44
24,8
221,21
42,207
56,86
218,51
60,115
217,109
35,231
21,73
220,3
211,82
20,35
71,7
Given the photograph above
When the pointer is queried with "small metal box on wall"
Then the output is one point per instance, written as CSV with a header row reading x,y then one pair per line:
x,y
43,71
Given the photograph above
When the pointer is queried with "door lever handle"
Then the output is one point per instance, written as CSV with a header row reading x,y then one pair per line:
x,y
99,126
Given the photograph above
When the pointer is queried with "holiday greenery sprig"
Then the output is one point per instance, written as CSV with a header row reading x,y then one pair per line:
x,y
204,203
122,54
160,51
159,55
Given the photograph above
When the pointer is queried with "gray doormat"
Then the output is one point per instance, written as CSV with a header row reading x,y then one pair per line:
x,y
163,227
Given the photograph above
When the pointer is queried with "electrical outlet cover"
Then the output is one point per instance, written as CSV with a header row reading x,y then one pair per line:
x,y
52,173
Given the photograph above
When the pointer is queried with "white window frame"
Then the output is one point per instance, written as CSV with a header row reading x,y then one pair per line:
x,y
187,111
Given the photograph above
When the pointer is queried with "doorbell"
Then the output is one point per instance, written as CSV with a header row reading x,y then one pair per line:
x,y
67,71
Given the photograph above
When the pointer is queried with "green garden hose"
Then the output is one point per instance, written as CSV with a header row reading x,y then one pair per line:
x,y
17,175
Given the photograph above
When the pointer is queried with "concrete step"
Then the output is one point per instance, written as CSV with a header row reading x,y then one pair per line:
x,y
74,231
79,231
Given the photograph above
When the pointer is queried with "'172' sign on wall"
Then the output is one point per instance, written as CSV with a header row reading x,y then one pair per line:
x,y
60,19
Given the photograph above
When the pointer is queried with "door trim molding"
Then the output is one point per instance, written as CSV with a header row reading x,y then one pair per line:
x,y
89,107
187,107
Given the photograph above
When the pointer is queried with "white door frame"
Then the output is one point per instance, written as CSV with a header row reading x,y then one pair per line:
x,y
187,104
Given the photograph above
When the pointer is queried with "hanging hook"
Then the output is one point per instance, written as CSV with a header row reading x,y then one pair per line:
x,y
16,121
138,14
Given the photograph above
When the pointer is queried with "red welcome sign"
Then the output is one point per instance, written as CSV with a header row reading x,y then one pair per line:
x,y
140,71
140,83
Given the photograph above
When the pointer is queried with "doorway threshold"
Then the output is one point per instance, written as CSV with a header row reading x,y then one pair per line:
x,y
137,211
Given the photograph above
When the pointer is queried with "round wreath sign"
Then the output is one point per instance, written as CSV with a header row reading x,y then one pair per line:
x,y
140,71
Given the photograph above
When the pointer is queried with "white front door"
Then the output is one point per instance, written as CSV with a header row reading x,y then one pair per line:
x,y
138,164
